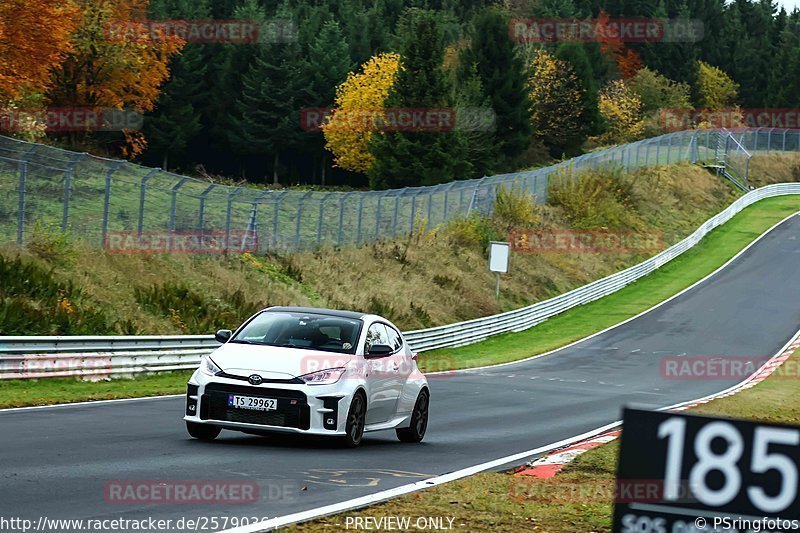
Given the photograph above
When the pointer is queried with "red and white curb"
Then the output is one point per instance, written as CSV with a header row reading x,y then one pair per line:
x,y
549,465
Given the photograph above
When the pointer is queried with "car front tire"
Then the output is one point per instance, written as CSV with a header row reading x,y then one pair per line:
x,y
202,431
356,420
419,420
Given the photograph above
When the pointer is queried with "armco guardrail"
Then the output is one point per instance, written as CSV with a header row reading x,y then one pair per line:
x,y
34,357
100,356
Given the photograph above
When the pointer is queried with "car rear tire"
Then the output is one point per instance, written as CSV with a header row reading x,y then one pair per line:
x,y
419,420
202,431
356,420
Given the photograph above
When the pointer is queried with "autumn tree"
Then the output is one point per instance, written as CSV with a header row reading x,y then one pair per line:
x,y
715,88
556,102
109,66
622,110
364,93
35,37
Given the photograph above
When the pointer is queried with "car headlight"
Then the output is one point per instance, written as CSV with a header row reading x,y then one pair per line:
x,y
324,377
209,367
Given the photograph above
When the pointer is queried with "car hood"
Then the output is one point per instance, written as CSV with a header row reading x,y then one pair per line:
x,y
272,362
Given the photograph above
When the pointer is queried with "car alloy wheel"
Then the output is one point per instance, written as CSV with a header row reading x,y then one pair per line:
x,y
419,420
356,418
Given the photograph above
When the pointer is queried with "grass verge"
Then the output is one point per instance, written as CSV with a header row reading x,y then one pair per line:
x,y
712,252
501,502
27,392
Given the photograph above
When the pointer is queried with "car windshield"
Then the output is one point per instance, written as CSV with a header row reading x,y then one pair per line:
x,y
308,331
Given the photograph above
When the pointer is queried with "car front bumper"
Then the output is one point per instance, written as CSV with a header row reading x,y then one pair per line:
x,y
305,409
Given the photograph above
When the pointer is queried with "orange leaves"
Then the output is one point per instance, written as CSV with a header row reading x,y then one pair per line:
x,y
34,39
108,71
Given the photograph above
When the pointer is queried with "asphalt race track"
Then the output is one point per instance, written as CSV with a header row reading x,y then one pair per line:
x,y
56,461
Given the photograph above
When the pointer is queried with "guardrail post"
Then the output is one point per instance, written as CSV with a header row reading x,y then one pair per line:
x,y
23,174
142,195
107,198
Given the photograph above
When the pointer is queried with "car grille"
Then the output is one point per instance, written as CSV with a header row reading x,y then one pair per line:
x,y
214,406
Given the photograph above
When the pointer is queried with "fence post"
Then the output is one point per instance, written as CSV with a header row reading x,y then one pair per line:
x,y
173,206
669,148
231,196
446,196
321,214
381,195
396,207
414,208
299,219
252,225
474,196
360,216
783,144
276,219
142,194
201,216
67,194
107,199
430,204
23,174
341,217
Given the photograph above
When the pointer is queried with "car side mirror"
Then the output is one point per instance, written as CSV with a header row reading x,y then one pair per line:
x,y
379,350
223,335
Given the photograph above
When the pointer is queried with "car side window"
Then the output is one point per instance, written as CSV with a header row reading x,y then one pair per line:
x,y
395,340
376,334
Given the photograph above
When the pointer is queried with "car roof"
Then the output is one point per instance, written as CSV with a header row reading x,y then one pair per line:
x,y
331,312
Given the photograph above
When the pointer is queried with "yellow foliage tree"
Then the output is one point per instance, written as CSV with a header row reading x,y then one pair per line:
x,y
716,89
359,99
622,110
556,100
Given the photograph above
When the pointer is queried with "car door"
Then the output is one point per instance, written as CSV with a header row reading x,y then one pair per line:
x,y
401,365
381,378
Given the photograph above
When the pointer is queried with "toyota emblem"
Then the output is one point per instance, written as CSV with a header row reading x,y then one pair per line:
x,y
255,379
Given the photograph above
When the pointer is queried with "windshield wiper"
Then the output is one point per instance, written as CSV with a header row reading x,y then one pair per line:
x,y
244,341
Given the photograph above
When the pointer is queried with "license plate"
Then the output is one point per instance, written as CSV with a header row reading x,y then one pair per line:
x,y
252,402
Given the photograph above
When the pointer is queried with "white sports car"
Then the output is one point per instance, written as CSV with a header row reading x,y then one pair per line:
x,y
314,371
